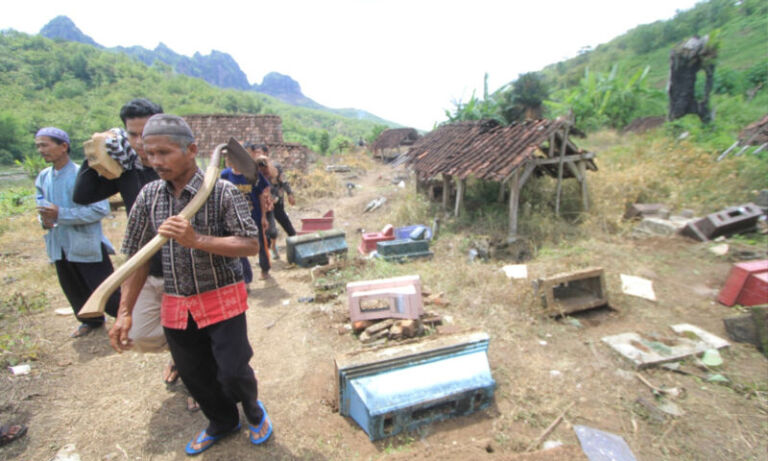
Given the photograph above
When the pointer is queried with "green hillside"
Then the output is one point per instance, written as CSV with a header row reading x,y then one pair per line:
x,y
743,34
80,89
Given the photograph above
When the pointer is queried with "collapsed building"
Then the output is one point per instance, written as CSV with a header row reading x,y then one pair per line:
x,y
507,154
391,143
214,129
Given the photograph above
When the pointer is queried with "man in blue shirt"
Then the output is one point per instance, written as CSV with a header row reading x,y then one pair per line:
x,y
74,241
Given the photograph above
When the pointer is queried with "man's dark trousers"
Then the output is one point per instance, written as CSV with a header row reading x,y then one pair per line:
x,y
213,363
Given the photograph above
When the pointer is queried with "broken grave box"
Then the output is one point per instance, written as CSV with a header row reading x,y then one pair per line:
x,y
370,239
401,250
394,389
747,284
572,291
729,221
312,249
397,297
309,225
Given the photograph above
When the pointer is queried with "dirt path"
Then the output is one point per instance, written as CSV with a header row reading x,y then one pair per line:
x,y
114,407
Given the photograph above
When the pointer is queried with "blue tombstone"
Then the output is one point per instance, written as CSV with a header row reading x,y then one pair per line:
x,y
314,249
396,389
402,250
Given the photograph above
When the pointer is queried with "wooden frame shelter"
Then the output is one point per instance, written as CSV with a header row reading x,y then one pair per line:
x,y
507,154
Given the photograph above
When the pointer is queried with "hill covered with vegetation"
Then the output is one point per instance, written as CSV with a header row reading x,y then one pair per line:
x,y
626,78
80,88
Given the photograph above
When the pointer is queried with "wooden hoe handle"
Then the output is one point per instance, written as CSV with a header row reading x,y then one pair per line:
x,y
96,303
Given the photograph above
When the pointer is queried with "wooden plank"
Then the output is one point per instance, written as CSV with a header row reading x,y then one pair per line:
x,y
446,190
514,200
460,186
560,171
574,170
584,188
529,168
568,158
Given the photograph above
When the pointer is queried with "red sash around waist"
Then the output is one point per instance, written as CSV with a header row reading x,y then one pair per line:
x,y
206,308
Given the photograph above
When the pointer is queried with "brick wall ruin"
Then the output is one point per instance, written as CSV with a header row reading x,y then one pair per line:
x,y
211,130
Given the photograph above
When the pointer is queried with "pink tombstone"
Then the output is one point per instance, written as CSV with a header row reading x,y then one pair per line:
x,y
368,243
309,225
398,297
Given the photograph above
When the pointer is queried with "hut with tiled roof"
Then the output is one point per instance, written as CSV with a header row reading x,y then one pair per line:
x,y
394,142
508,154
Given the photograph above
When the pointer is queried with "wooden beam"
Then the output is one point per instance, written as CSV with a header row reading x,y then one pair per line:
x,y
446,190
568,158
551,145
529,168
514,201
584,190
560,171
574,170
501,191
461,184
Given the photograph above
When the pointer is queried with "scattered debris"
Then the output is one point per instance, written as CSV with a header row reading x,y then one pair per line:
x,y
20,370
63,311
645,351
351,188
637,286
712,358
603,446
338,168
674,392
516,271
719,250
642,210
67,453
751,328
549,429
414,232
375,204
658,226
306,299
401,184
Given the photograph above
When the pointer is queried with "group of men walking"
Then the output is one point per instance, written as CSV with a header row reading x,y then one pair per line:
x,y
190,297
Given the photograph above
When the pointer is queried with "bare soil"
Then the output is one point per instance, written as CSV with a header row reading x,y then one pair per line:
x,y
115,406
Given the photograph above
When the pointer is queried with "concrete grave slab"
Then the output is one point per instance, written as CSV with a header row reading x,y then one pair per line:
x,y
645,351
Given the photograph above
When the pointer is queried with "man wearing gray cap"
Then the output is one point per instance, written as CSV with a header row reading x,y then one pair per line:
x,y
203,308
74,241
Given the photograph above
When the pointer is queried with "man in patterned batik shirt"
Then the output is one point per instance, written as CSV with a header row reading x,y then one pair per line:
x,y
203,308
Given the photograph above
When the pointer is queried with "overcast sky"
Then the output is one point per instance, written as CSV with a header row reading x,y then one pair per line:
x,y
405,61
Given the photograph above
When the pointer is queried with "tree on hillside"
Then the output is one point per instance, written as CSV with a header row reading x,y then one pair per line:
x,y
325,142
685,62
524,101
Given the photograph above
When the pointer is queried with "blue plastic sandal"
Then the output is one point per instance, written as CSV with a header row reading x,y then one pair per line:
x,y
205,441
261,433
